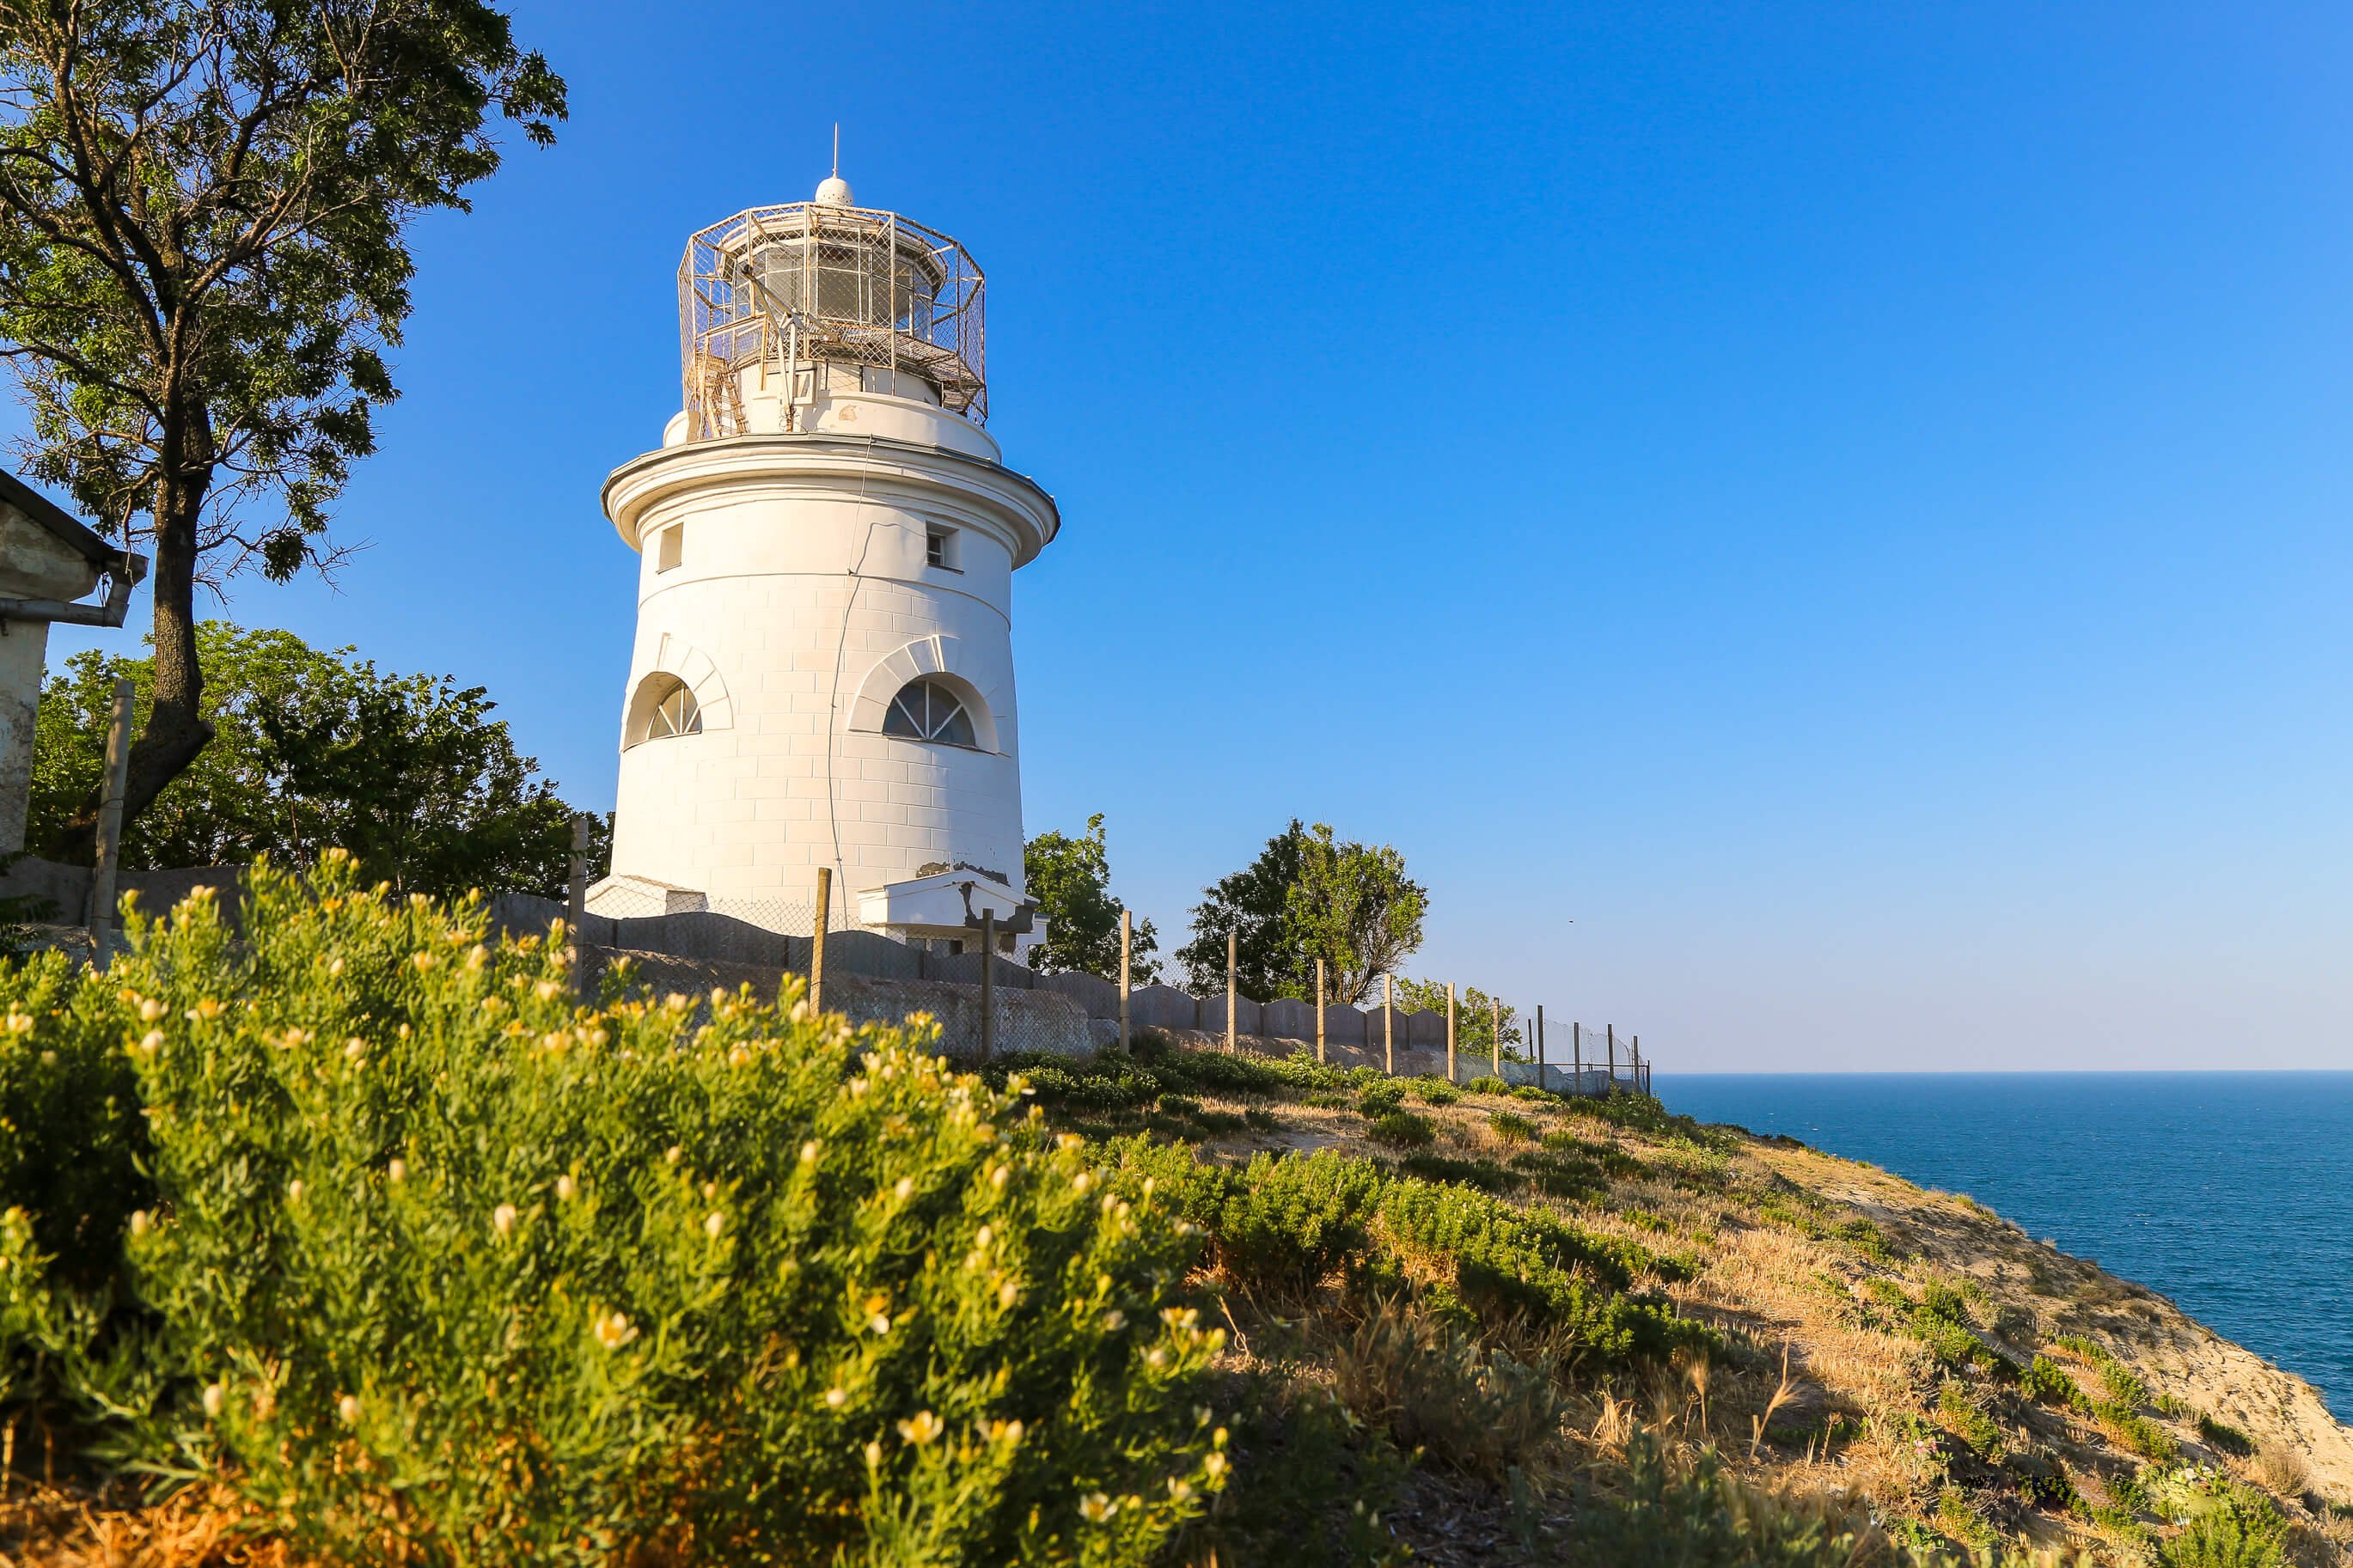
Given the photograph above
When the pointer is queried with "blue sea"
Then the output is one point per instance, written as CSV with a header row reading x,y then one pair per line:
x,y
2231,1192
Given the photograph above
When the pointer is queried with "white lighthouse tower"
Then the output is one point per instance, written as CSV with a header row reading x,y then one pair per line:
x,y
823,673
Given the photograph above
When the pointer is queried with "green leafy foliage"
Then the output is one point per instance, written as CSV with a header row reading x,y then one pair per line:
x,y
204,258
2134,1432
73,1144
1938,1321
1480,1021
2042,1480
2124,1385
1070,879
2046,1381
1512,1127
443,1264
1960,1520
1402,1130
1484,1175
1308,895
309,748
2225,1437
2225,1539
1966,1421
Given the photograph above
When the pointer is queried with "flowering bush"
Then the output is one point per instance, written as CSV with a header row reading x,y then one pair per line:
x,y
442,1263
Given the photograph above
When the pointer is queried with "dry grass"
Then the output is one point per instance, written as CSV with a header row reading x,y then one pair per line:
x,y
59,1527
1812,1347
2281,1471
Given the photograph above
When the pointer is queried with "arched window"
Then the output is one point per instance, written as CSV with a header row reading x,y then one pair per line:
x,y
672,712
928,711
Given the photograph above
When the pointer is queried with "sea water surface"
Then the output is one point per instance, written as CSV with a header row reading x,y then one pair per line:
x,y
2231,1192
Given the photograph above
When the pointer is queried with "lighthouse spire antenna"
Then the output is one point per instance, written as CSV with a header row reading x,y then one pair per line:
x,y
833,191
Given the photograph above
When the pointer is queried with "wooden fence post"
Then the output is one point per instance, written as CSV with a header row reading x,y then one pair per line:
x,y
1495,1036
576,891
1233,948
817,938
1450,1032
99,916
1319,1009
1388,1023
987,985
1126,946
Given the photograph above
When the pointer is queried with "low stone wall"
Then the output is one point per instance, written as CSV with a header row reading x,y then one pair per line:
x,y
66,888
1039,1021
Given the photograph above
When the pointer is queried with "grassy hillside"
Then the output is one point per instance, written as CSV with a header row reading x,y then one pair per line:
x,y
360,1238
1902,1367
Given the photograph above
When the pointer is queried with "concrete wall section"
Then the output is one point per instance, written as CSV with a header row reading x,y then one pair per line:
x,y
1287,1018
1213,1014
1166,1007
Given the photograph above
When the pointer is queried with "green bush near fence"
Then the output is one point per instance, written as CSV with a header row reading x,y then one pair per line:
x,y
432,1262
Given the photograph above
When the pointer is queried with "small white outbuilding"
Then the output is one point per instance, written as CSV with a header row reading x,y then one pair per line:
x,y
823,669
49,562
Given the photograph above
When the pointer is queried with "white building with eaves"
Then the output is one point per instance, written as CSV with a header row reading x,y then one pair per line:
x,y
826,539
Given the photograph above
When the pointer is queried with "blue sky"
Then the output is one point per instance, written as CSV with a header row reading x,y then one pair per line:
x,y
1846,504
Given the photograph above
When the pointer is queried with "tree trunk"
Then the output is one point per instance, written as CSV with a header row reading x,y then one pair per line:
x,y
176,729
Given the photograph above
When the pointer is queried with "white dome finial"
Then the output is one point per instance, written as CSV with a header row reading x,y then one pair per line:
x,y
833,191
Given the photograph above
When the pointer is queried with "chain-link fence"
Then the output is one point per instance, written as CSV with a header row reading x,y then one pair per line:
x,y
686,942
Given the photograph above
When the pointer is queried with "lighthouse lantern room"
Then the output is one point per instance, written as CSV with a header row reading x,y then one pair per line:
x,y
827,538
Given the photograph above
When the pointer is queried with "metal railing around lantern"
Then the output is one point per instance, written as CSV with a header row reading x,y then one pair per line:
x,y
774,291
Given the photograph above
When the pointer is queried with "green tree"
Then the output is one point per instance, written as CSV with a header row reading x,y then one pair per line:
x,y
1354,907
1252,904
1308,895
1070,879
315,749
1477,1016
203,218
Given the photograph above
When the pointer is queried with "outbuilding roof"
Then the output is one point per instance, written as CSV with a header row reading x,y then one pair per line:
x,y
68,528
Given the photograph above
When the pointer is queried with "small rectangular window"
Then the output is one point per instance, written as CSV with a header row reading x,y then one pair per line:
x,y
672,549
939,547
